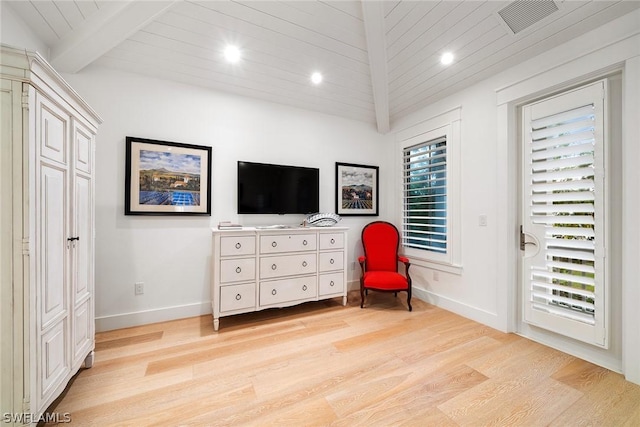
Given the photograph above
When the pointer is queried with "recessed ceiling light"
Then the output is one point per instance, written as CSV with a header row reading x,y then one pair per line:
x,y
446,58
232,54
316,78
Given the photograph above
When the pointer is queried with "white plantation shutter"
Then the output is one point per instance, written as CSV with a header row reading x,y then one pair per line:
x,y
425,196
564,211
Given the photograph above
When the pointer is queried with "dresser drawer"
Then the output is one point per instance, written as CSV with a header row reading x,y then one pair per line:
x,y
331,283
237,297
287,290
287,265
331,241
330,261
237,270
237,245
287,243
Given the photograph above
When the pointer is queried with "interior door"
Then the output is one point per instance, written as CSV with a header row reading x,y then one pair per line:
x,y
563,224
52,230
82,247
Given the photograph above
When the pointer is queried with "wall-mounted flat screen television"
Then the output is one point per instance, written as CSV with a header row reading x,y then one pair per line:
x,y
277,189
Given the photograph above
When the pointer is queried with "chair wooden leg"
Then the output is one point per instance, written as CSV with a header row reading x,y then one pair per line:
x,y
409,299
362,291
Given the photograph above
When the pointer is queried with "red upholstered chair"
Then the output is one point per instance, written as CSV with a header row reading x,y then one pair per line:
x,y
379,264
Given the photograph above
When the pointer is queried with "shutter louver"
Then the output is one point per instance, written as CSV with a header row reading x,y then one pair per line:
x,y
563,201
425,195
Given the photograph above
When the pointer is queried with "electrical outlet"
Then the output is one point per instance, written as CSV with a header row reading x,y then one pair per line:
x,y
482,220
139,288
353,265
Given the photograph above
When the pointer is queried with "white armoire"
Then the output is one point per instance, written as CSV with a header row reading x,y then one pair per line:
x,y
47,234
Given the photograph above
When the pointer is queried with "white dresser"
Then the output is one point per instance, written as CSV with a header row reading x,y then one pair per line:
x,y
254,269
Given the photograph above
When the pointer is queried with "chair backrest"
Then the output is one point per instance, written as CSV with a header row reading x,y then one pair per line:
x,y
380,240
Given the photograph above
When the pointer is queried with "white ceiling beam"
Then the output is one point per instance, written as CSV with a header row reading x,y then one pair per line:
x,y
373,16
102,31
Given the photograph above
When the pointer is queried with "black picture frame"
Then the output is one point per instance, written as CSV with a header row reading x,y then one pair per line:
x,y
167,178
357,189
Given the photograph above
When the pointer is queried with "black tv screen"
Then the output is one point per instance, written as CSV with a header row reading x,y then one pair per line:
x,y
277,189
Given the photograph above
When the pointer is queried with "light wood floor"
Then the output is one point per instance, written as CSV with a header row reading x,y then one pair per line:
x,y
325,364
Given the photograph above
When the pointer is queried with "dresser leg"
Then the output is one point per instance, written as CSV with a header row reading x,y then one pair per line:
x,y
344,300
88,361
216,324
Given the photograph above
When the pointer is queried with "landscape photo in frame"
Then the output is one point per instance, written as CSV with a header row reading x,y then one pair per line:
x,y
167,178
356,190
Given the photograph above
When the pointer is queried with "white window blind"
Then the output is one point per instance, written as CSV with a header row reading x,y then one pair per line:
x,y
425,196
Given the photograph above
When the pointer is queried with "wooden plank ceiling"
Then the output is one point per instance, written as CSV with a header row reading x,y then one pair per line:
x,y
380,59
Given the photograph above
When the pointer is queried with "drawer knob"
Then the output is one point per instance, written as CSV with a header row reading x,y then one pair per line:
x,y
274,244
304,287
273,292
273,267
238,269
304,263
333,241
304,243
238,245
331,283
238,297
331,261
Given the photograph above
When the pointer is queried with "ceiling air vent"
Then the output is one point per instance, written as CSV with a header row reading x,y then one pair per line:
x,y
522,14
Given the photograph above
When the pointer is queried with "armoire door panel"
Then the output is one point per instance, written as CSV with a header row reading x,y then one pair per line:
x,y
82,330
83,148
53,131
53,358
84,231
53,250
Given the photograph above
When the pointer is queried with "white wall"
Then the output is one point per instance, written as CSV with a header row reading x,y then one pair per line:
x,y
472,292
14,32
172,255
487,288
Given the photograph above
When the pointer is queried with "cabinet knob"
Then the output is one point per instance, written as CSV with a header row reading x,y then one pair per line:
x,y
331,261
273,266
274,244
238,269
238,297
331,283
304,243
238,245
333,241
304,287
273,292
304,263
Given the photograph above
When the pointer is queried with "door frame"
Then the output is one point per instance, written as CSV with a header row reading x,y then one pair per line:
x,y
509,100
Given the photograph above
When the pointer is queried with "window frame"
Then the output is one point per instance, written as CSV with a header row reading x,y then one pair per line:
x,y
446,125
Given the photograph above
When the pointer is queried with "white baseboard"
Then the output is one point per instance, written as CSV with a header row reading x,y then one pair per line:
x,y
464,310
127,320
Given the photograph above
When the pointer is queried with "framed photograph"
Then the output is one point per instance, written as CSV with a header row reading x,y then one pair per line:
x,y
167,178
356,190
